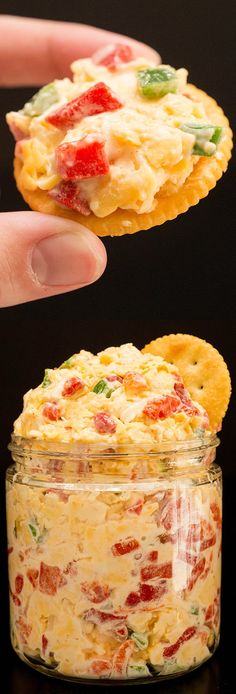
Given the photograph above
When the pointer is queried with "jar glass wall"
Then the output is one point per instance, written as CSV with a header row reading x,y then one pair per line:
x,y
114,559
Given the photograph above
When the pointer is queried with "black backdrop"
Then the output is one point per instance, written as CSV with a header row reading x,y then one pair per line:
x,y
177,278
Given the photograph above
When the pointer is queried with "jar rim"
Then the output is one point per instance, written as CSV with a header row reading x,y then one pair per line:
x,y
41,447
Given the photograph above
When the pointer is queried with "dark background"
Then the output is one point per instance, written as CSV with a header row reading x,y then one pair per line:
x,y
176,278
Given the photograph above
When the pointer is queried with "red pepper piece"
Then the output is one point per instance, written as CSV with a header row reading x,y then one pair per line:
x,y
215,510
32,575
187,404
19,582
136,508
99,617
120,632
162,407
153,555
24,629
200,536
173,513
68,194
71,386
44,644
96,99
95,592
193,536
83,158
132,599
101,668
148,592
50,579
187,557
209,614
206,572
15,598
196,572
161,571
121,658
113,55
51,411
208,542
104,423
169,651
125,547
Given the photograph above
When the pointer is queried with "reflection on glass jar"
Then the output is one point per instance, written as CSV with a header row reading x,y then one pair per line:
x,y
114,559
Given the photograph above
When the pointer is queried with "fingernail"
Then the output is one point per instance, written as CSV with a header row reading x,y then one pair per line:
x,y
67,259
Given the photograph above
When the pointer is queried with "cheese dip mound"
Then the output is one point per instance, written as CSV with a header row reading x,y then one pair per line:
x,y
123,131
119,396
114,568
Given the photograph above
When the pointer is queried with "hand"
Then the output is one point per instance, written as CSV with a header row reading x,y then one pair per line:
x,y
42,255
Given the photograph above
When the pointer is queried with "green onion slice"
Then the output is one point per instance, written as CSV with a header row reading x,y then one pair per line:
x,y
46,381
207,137
35,531
103,387
156,82
140,640
41,101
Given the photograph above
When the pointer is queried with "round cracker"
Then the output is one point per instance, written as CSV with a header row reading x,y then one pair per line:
x,y
202,368
204,176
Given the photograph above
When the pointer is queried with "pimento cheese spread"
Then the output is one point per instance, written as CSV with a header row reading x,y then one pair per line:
x,y
122,131
113,576
119,396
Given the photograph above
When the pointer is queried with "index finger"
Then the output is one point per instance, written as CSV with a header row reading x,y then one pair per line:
x,y
35,51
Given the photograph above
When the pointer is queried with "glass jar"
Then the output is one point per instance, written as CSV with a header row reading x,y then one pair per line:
x,y
114,559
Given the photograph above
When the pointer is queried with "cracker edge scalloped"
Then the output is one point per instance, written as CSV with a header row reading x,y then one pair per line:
x,y
203,178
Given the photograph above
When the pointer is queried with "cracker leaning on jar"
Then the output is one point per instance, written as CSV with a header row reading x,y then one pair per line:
x,y
125,146
114,513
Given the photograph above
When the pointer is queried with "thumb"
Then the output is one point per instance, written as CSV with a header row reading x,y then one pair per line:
x,y
42,255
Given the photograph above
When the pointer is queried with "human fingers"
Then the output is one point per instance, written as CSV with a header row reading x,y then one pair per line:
x,y
42,255
35,51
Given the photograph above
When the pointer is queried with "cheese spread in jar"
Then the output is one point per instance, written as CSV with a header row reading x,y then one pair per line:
x,y
114,522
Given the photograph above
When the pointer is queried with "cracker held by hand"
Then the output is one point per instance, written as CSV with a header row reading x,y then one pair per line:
x,y
202,368
125,146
